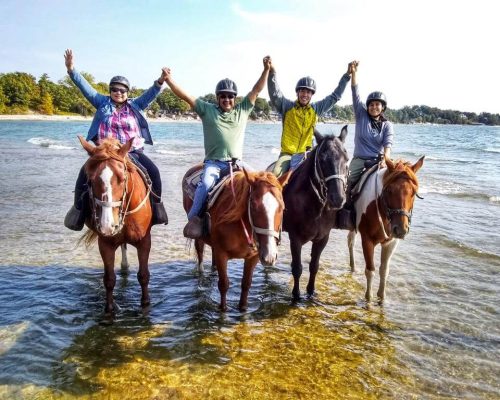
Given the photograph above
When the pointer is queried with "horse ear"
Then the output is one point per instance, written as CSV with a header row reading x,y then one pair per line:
x,y
318,136
418,164
90,149
124,149
343,134
250,178
283,179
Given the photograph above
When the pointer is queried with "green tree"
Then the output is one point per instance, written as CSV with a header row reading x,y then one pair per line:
x,y
20,90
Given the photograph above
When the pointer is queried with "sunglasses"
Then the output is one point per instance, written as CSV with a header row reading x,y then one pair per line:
x,y
116,90
226,96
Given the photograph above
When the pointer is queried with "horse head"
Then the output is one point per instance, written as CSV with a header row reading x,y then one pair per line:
x,y
265,212
107,178
400,186
330,167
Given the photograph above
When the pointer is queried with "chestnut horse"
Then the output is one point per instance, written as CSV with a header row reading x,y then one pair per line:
x,y
314,193
121,210
383,216
245,223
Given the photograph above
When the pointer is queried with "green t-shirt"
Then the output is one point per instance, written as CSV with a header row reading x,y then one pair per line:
x,y
223,132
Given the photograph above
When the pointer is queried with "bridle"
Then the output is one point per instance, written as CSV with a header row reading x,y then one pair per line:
x,y
390,212
320,188
123,203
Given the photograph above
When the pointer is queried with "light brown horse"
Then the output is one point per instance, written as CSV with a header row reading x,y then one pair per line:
x,y
245,223
383,216
121,211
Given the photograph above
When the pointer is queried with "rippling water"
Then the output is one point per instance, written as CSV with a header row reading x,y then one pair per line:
x,y
436,337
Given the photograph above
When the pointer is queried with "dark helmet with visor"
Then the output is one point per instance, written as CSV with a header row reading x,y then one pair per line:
x,y
377,96
306,83
121,80
226,86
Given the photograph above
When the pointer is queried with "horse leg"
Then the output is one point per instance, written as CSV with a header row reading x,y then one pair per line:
x,y
143,249
316,250
296,250
246,281
199,245
223,284
368,249
385,259
107,251
125,265
351,240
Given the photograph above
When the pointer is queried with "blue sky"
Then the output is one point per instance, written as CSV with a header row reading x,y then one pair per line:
x,y
440,53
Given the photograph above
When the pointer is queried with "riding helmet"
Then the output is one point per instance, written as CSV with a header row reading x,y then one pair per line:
x,y
227,86
379,96
121,80
306,83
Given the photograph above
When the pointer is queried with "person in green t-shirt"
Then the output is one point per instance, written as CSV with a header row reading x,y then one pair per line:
x,y
224,126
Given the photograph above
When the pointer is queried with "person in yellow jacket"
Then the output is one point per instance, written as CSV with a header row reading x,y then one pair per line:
x,y
299,117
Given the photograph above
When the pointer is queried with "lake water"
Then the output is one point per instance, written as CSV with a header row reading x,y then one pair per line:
x,y
437,336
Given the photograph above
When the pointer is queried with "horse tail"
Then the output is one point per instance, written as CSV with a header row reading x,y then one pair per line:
x,y
88,238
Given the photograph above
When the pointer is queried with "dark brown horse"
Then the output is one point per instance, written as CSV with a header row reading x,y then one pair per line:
x,y
314,193
245,223
383,216
121,210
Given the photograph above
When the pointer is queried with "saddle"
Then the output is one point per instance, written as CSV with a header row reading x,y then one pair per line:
x,y
143,172
369,169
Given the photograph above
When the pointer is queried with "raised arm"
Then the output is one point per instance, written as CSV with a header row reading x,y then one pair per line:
x,y
352,69
68,60
178,91
259,85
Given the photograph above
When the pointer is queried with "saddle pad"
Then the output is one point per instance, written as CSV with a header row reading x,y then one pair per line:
x,y
364,176
191,182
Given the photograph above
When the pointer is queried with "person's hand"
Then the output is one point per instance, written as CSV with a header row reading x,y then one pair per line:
x,y
68,59
165,74
352,68
268,63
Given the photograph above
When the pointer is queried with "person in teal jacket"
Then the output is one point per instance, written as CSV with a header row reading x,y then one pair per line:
x,y
122,118
299,117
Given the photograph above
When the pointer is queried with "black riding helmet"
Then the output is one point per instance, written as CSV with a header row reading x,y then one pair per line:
x,y
306,83
121,80
227,86
377,96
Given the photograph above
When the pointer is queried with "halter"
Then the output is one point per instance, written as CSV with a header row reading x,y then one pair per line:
x,y
321,190
123,212
389,211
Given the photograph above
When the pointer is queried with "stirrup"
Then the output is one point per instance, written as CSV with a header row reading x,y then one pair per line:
x,y
159,214
75,219
344,219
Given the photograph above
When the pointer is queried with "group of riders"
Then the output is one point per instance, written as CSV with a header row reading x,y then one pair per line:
x,y
120,117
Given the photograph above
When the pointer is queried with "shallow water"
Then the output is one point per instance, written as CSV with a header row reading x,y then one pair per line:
x,y
436,337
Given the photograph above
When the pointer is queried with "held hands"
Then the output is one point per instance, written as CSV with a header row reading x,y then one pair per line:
x,y
268,64
68,60
352,67
165,75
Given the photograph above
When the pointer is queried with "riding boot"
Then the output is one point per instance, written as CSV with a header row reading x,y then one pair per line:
x,y
346,215
194,228
159,213
75,218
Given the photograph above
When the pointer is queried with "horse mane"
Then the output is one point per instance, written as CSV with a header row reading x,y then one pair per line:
x,y
236,205
401,167
106,150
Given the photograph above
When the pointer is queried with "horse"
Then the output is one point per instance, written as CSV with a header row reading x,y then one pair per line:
x,y
314,193
383,216
121,211
245,222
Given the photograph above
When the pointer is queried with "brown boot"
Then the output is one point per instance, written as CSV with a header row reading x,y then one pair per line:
x,y
194,228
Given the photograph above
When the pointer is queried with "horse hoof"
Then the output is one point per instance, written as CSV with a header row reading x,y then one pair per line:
x,y
243,308
145,303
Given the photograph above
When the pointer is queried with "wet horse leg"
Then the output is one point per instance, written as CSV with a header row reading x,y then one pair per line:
x,y
143,250
368,248
385,259
223,284
351,240
125,265
107,251
316,250
296,250
246,281
199,246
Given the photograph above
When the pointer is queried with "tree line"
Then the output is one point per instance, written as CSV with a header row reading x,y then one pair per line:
x,y
21,93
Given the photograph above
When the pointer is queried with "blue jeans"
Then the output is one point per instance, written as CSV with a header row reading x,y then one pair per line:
x,y
212,170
